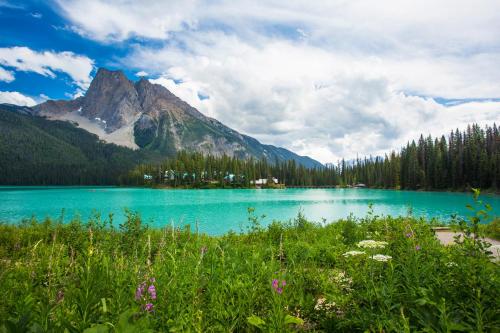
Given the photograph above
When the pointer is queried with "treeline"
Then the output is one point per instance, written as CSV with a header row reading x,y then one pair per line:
x,y
37,151
470,158
465,159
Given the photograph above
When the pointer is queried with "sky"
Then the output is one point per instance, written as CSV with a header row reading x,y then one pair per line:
x,y
328,79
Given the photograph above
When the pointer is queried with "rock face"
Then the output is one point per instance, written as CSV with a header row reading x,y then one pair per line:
x,y
160,121
112,98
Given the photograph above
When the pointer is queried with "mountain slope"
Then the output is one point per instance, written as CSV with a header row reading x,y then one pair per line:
x,y
148,116
34,150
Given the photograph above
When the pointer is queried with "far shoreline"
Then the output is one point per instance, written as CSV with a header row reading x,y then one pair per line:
x,y
164,187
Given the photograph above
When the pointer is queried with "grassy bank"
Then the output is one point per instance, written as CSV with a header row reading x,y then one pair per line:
x,y
96,277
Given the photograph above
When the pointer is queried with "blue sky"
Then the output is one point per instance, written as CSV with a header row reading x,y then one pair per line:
x,y
328,79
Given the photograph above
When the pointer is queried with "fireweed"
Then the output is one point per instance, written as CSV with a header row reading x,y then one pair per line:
x,y
278,285
145,294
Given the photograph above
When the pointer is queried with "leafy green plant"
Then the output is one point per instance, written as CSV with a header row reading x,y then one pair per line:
x,y
353,275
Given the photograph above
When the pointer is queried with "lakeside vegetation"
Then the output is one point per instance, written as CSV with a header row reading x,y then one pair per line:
x,y
376,274
465,160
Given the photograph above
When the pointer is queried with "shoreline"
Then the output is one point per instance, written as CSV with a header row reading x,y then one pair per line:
x,y
164,187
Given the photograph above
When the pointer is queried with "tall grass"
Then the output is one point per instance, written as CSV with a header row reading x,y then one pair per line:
x,y
94,276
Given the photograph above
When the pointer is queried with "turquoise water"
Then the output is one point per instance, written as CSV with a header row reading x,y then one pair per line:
x,y
218,211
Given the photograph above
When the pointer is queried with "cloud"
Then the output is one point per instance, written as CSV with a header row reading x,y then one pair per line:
x,y
14,97
449,24
326,105
5,75
8,4
141,74
119,20
36,15
47,63
332,80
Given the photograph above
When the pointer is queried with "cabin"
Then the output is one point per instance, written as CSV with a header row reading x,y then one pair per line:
x,y
169,175
148,177
263,181
229,178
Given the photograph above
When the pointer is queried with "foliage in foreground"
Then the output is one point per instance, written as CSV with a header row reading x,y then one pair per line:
x,y
373,274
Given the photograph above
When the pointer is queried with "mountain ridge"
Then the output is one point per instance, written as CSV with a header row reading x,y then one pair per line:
x,y
143,115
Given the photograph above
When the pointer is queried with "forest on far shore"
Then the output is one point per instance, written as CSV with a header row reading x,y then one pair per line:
x,y
462,160
38,151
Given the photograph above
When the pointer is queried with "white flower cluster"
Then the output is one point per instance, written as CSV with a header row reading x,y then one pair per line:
x,y
451,264
341,279
322,305
381,257
330,308
495,248
372,244
353,253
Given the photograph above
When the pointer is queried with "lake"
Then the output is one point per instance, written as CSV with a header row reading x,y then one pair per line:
x,y
218,211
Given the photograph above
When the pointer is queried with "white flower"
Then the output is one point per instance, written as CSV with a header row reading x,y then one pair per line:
x,y
321,304
353,253
451,264
381,257
342,280
494,248
372,244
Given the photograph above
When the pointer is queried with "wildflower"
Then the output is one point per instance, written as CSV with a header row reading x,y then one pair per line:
x,y
417,248
149,307
495,248
372,244
341,279
140,291
353,253
152,291
145,294
276,286
381,257
409,235
322,305
319,304
451,264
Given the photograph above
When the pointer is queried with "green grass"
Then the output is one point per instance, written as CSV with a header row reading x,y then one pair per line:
x,y
84,277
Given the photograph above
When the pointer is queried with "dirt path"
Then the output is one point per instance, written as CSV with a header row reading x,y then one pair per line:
x,y
446,237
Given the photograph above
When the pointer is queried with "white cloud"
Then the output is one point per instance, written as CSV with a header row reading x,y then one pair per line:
x,y
36,15
141,74
331,79
14,97
5,75
448,24
326,105
43,98
119,20
46,63
8,4
187,89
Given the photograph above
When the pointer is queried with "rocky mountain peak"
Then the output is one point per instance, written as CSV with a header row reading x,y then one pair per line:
x,y
148,116
112,99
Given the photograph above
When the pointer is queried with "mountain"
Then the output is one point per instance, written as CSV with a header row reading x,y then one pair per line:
x,y
38,151
146,116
